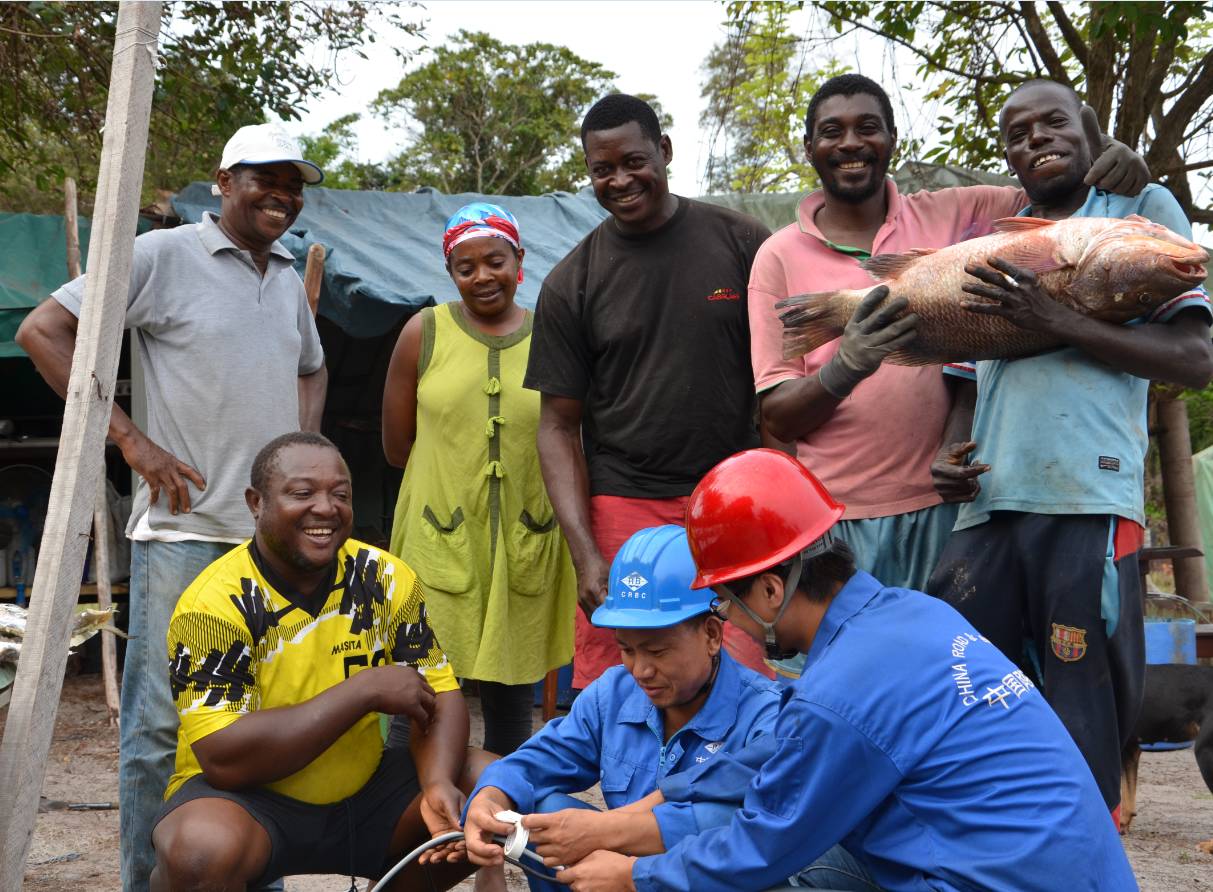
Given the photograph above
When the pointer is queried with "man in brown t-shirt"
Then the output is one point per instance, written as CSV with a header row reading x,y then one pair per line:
x,y
641,352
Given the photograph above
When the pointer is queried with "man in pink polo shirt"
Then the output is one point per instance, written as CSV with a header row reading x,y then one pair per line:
x,y
872,432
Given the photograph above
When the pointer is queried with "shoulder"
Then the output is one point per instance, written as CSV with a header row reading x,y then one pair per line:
x,y
758,686
163,242
1156,203
211,590
966,197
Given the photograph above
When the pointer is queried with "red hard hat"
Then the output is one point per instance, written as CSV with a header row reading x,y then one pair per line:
x,y
753,511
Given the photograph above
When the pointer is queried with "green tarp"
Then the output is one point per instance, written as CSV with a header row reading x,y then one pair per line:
x,y
33,263
1202,469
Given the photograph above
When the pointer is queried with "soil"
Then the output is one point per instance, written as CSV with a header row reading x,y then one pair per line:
x,y
74,850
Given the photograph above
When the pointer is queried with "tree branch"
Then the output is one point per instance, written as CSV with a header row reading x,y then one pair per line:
x,y
1044,46
1068,32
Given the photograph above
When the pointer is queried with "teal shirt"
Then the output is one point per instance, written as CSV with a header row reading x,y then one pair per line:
x,y
1064,433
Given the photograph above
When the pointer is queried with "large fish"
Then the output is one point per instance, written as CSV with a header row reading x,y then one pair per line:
x,y
1112,269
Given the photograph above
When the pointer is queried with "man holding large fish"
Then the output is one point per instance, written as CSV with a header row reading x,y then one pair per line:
x,y
1044,559
873,431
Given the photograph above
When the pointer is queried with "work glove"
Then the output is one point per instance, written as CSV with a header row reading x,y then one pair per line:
x,y
870,335
1115,167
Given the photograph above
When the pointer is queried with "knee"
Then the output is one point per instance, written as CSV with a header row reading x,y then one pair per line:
x,y
201,856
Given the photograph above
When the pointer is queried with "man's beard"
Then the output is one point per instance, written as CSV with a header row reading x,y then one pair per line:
x,y
1056,190
856,194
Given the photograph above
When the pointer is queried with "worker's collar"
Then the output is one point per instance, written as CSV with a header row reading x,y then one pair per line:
x,y
309,602
851,598
714,719
214,240
806,211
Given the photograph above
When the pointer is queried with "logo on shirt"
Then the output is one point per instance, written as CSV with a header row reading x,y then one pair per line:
x,y
634,581
714,746
724,294
1108,463
1069,644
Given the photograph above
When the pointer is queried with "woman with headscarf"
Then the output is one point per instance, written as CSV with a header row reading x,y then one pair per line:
x,y
473,518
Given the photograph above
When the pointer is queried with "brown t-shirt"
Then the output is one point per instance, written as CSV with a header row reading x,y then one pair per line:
x,y
650,332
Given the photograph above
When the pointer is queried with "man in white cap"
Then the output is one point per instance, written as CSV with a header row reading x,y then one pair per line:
x,y
232,359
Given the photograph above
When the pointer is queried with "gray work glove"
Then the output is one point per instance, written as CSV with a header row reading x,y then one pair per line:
x,y
1115,167
869,337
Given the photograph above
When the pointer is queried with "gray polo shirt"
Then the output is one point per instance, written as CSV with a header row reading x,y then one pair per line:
x,y
222,350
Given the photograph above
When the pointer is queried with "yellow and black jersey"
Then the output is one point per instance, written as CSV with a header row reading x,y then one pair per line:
x,y
239,641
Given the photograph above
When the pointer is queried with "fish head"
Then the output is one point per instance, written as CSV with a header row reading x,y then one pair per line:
x,y
1136,265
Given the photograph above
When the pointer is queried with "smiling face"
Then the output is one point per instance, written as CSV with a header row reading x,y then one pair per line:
x,y
260,202
850,146
671,665
1045,144
305,514
628,173
485,270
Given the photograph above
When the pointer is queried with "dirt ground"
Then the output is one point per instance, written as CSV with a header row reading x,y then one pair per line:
x,y
79,849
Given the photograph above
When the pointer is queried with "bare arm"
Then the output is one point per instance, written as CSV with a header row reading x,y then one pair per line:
x,y
312,389
1177,352
439,749
48,335
955,480
794,409
400,395
268,745
567,478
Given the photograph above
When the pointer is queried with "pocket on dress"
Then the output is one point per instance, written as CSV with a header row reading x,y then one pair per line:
x,y
533,554
443,559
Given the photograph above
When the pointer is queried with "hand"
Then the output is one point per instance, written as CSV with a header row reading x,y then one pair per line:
x,y
1115,167
600,872
1015,295
398,690
566,836
481,823
162,470
441,804
870,335
955,480
592,584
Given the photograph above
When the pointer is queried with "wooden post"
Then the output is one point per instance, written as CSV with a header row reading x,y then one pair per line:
x,y
90,391
101,515
550,685
313,276
1179,495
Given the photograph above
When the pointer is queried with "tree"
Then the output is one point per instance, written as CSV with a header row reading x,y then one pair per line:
x,y
1146,69
221,66
485,116
757,87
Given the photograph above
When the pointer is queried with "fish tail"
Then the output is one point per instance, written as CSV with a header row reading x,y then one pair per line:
x,y
810,320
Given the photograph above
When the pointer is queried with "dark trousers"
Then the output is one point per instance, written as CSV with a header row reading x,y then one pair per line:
x,y
1047,591
507,712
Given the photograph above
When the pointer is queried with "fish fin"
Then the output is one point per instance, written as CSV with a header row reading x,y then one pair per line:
x,y
1035,254
808,322
909,358
889,266
1020,224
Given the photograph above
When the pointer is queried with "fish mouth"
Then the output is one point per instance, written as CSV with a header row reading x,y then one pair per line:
x,y
1194,273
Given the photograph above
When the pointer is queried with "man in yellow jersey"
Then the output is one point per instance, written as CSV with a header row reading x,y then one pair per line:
x,y
282,653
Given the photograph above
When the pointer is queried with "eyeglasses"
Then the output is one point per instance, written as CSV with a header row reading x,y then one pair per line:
x,y
722,602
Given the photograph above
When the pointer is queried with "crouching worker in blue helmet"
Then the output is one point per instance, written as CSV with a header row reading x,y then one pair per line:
x,y
677,701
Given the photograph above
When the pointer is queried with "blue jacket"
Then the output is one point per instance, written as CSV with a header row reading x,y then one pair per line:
x,y
917,745
613,736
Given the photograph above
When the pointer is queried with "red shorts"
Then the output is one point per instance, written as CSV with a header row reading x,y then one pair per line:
x,y
613,519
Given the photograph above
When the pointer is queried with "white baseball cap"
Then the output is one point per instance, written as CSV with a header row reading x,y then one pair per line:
x,y
268,144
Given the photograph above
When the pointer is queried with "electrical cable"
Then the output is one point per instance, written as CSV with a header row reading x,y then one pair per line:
x,y
454,836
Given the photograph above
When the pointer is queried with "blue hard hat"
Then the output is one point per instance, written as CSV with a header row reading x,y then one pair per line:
x,y
650,583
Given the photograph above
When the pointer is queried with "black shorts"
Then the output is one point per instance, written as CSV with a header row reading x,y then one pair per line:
x,y
349,837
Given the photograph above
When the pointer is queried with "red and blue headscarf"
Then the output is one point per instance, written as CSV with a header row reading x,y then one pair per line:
x,y
480,220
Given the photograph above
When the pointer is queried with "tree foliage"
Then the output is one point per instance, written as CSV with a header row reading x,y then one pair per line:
x,y
1146,69
221,65
757,84
490,117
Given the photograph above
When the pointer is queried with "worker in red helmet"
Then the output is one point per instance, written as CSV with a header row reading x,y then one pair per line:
x,y
910,753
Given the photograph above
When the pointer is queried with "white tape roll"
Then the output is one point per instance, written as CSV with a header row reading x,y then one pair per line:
x,y
515,843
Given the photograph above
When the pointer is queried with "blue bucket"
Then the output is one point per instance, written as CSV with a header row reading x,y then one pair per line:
x,y
1170,641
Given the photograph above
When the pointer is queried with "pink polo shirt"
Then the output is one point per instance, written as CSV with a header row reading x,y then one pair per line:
x,y
875,452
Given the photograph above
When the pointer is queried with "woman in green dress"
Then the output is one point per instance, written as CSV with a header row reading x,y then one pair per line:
x,y
473,518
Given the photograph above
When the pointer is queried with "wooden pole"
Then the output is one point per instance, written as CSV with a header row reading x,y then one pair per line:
x,y
1179,495
550,685
90,391
313,276
101,515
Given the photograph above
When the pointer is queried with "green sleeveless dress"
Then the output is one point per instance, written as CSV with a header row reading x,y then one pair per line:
x,y
473,517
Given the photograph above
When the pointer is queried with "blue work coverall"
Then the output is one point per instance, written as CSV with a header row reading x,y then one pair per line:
x,y
914,743
614,736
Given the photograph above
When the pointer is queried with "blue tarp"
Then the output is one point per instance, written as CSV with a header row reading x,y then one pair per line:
x,y
384,249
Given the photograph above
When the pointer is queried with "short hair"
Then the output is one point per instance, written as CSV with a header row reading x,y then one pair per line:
x,y
848,85
266,462
1041,82
817,576
618,109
